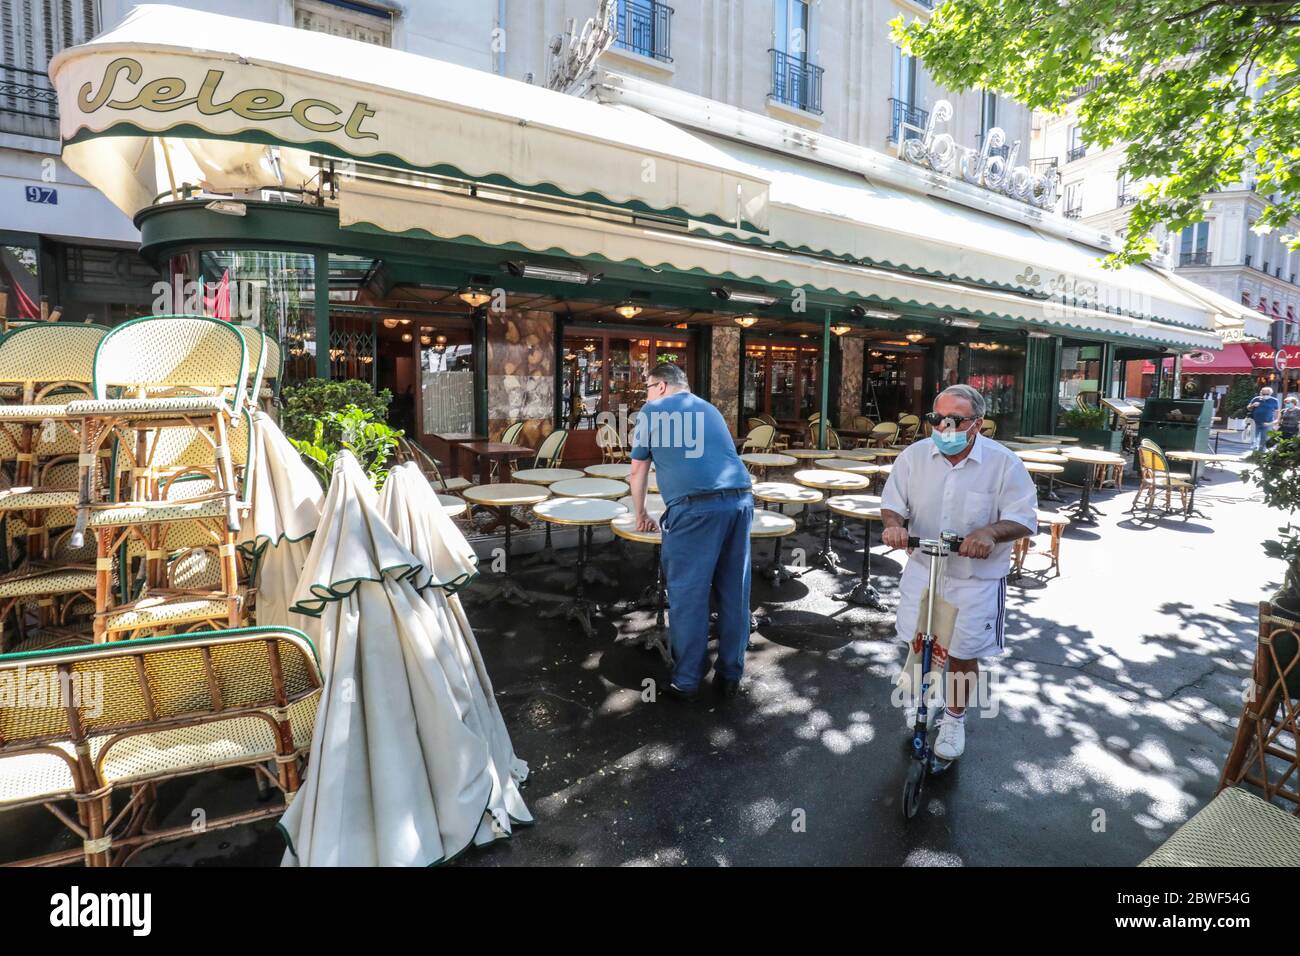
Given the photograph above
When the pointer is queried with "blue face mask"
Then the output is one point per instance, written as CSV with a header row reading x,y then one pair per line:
x,y
950,443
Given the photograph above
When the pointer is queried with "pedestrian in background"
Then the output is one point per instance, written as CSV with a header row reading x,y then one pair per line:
x,y
1289,420
1263,410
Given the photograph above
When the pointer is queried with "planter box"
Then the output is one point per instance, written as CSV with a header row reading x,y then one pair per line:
x,y
1102,438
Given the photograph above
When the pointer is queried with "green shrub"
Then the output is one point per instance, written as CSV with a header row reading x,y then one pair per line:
x,y
307,403
1240,392
1277,473
370,441
1081,420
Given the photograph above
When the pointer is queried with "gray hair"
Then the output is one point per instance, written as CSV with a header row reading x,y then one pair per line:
x,y
1266,391
669,374
967,392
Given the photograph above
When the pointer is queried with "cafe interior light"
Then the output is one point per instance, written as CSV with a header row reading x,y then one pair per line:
x,y
627,310
746,321
914,336
390,323
426,340
589,347
406,336
842,329
440,340
474,298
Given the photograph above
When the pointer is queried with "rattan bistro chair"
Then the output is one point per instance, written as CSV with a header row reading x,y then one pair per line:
x,y
883,435
1156,478
408,450
611,445
759,439
129,716
908,426
168,372
550,454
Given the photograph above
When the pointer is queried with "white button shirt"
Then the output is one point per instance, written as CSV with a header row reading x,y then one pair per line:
x,y
990,484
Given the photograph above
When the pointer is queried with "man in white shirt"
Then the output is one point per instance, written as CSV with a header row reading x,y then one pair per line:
x,y
962,482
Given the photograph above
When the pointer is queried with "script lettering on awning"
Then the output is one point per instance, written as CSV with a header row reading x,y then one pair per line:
x,y
165,94
984,167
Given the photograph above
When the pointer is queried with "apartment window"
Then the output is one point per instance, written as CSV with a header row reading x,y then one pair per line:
x,y
902,99
1076,149
31,32
1126,194
1074,200
796,81
645,27
988,112
344,18
1194,245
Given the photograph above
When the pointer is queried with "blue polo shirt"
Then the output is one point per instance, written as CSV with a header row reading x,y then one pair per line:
x,y
688,440
1266,410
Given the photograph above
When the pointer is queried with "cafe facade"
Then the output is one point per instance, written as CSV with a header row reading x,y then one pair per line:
x,y
494,252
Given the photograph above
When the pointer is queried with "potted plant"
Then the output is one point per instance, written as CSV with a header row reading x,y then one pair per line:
x,y
1089,426
1239,395
1277,472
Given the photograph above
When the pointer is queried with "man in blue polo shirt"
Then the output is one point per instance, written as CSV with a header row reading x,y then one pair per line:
x,y
1263,408
705,527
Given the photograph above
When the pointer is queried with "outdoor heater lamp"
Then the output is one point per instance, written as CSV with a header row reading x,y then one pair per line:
x,y
530,270
958,322
885,315
745,297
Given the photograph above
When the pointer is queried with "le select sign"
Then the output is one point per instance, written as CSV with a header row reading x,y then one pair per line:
x,y
1265,356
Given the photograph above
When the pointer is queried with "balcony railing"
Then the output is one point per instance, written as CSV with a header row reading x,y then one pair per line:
x,y
1042,167
1125,198
1076,152
28,103
645,27
1074,212
1003,150
903,112
796,82
1199,258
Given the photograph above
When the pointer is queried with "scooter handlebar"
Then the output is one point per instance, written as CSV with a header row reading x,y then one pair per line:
x,y
952,541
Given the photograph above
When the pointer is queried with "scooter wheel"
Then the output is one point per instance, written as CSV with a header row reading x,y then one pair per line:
x,y
913,788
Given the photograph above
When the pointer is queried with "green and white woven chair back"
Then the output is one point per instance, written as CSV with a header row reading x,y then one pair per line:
x,y
50,353
550,452
255,340
511,434
187,453
177,353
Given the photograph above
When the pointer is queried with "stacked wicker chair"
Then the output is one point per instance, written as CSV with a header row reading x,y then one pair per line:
x,y
173,398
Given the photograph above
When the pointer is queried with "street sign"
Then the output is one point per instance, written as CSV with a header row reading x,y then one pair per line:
x,y
1279,360
43,194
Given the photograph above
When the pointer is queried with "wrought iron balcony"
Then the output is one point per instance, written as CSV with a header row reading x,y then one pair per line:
x,y
1002,150
1125,198
1074,212
796,82
28,103
1042,167
903,112
645,27
1076,152
1198,258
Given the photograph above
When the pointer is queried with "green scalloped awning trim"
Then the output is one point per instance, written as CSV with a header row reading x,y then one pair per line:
x,y
913,303
260,137
343,588
777,245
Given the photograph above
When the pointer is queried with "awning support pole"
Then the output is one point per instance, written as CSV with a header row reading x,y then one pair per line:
x,y
321,286
1178,375
826,380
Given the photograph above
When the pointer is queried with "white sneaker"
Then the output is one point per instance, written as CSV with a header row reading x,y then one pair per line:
x,y
952,738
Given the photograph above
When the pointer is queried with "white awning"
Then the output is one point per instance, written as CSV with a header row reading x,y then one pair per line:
x,y
240,106
401,209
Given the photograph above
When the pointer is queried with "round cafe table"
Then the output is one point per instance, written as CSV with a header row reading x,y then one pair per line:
x,y
1197,459
866,508
1082,511
546,477
1046,457
604,488
1051,470
782,493
581,513
654,596
809,454
618,470
848,464
503,498
765,460
1034,440
771,524
857,454
830,481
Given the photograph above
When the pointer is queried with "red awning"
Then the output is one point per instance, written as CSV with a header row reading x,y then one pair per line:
x,y
1262,355
1231,360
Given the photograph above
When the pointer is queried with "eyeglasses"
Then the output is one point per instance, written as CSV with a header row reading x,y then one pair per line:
x,y
947,422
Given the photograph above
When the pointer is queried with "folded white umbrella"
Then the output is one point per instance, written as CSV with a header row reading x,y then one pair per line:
x,y
396,777
286,501
410,507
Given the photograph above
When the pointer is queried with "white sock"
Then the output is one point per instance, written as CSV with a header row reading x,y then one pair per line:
x,y
961,716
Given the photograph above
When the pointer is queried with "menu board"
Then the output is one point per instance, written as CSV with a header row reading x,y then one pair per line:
x,y
1122,407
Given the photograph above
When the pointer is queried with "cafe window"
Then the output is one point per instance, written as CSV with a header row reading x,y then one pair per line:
x,y
446,373
781,380
1080,380
20,275
606,371
995,369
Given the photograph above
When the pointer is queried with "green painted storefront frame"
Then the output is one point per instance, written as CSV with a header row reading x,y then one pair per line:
x,y
420,258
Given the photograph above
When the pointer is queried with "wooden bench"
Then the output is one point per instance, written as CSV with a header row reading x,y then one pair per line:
x,y
81,726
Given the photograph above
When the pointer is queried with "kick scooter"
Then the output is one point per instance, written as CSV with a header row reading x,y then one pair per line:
x,y
924,762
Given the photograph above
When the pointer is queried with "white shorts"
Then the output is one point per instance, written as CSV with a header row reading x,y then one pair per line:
x,y
981,605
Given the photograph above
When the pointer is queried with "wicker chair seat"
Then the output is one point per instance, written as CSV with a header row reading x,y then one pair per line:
x,y
164,610
456,484
1236,828
138,758
51,581
149,407
150,512
25,499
